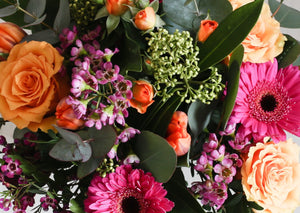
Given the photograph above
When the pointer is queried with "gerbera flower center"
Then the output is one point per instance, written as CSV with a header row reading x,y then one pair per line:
x,y
268,102
130,205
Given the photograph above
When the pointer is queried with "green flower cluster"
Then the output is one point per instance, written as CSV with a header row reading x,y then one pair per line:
x,y
174,60
107,166
83,11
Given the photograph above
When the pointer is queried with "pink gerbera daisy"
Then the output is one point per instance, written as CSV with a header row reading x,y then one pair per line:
x,y
268,101
127,190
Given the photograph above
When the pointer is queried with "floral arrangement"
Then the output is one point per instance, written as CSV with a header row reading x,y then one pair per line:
x,y
112,99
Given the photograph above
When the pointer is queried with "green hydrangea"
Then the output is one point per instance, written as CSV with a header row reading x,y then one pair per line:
x,y
174,60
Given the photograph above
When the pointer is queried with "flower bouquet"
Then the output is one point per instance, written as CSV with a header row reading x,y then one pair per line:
x,y
112,99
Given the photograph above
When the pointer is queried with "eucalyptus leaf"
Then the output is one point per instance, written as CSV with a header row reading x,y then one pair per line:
x,y
229,34
233,77
186,14
62,19
287,17
45,35
37,21
36,8
156,155
290,53
8,10
88,167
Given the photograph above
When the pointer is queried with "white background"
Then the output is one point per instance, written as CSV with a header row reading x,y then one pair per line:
x,y
7,130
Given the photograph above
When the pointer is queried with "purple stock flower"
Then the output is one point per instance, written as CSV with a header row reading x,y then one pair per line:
x,y
11,168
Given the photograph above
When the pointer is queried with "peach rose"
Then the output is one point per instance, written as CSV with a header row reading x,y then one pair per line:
x,y
206,28
29,86
143,94
10,34
66,117
265,41
271,176
145,19
177,135
117,7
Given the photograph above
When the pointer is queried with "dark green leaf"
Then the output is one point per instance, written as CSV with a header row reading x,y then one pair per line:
x,y
287,17
19,133
102,140
62,19
75,207
255,206
184,14
234,200
7,11
236,185
233,77
229,34
178,193
36,8
199,116
112,23
156,155
290,52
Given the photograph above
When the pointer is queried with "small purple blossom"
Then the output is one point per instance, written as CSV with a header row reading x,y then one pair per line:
x,y
47,201
127,134
78,107
92,35
225,171
109,73
5,204
211,144
123,86
26,201
3,141
67,37
131,159
11,168
28,137
77,51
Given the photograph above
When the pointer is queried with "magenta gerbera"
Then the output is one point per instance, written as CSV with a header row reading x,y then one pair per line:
x,y
127,190
268,101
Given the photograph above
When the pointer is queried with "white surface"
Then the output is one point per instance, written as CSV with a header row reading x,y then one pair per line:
x,y
7,130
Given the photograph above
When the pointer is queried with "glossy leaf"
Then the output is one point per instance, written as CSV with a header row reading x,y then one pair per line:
x,y
199,116
184,14
156,155
7,11
229,34
178,193
88,167
112,23
287,16
291,52
233,77
36,8
62,19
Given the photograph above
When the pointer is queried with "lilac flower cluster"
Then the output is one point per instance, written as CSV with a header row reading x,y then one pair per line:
x,y
218,168
99,92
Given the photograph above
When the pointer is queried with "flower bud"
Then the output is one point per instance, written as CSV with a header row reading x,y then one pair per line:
x,y
10,34
145,19
143,94
206,28
66,117
117,7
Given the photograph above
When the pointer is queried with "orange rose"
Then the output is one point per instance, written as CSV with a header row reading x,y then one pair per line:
x,y
29,88
271,176
66,117
145,19
117,7
265,41
177,135
206,28
143,94
10,34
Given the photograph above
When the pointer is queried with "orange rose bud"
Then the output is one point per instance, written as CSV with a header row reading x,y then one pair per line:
x,y
206,28
143,94
66,117
145,19
10,34
177,135
117,7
